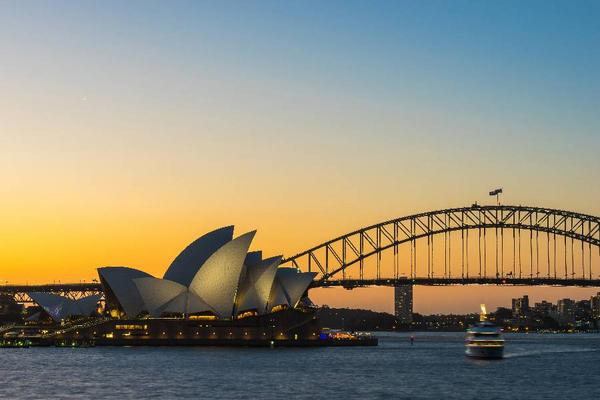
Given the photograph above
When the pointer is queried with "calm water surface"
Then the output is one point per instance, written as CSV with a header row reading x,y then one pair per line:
x,y
535,367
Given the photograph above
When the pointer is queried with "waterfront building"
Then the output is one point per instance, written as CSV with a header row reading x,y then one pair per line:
x,y
583,311
215,277
595,306
566,311
215,292
545,309
403,303
520,306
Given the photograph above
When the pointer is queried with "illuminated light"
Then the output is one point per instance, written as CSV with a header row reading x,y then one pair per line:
x,y
483,315
279,308
247,314
343,336
180,333
109,335
130,327
203,317
164,333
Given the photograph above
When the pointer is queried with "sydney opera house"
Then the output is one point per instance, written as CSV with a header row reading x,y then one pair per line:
x,y
214,292
215,277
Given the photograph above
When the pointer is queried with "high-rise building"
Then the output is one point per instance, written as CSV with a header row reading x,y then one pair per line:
x,y
583,311
566,311
545,308
520,306
595,305
403,303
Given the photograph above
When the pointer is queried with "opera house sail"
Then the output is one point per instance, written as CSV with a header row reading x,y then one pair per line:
x,y
60,308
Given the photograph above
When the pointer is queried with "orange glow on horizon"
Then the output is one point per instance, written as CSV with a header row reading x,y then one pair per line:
x,y
68,248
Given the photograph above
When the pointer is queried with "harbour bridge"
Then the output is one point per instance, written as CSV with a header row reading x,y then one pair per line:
x,y
476,245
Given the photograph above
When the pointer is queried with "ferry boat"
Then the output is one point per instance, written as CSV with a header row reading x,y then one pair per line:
x,y
484,339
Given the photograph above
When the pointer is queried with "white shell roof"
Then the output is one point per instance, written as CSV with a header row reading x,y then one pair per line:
x,y
120,281
256,287
161,296
87,305
156,293
59,307
176,305
294,283
218,279
196,305
277,296
188,262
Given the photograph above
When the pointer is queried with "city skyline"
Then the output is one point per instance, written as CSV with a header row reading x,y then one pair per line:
x,y
128,129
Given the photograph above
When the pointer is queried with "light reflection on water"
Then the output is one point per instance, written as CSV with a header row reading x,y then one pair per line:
x,y
536,366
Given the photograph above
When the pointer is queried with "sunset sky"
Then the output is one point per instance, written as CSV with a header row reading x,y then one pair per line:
x,y
127,129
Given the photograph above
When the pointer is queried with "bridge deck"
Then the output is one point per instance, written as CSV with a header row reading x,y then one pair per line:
x,y
76,290
353,283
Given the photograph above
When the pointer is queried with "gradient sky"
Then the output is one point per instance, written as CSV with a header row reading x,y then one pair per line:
x,y
127,129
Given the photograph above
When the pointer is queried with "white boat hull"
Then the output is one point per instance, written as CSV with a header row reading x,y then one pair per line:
x,y
485,352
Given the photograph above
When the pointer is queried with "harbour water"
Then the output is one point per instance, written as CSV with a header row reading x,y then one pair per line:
x,y
536,366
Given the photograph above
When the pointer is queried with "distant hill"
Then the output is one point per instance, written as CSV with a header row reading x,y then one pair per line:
x,y
367,320
357,320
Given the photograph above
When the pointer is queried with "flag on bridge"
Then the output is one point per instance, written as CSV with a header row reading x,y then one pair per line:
x,y
496,192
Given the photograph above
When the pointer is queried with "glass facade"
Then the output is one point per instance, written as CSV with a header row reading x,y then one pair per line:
x,y
403,303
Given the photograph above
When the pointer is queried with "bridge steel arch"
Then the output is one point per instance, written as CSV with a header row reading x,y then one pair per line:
x,y
333,257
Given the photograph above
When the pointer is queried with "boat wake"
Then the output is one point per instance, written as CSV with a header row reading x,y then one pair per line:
x,y
549,351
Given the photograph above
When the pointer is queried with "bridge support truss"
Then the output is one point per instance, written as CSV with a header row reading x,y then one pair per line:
x,y
71,290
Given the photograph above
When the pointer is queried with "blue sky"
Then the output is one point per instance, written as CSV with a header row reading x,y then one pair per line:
x,y
303,119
